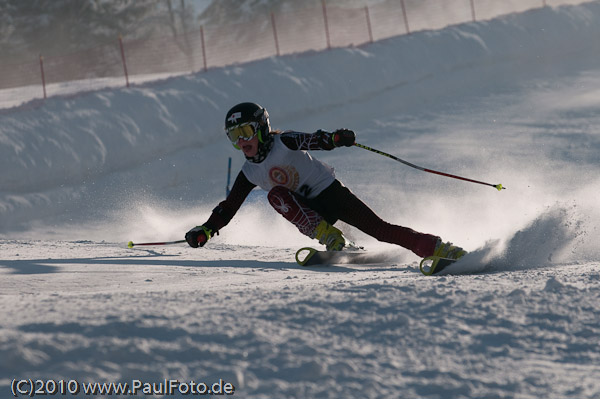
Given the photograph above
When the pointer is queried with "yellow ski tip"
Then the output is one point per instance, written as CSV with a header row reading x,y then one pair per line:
x,y
426,266
130,244
301,259
499,187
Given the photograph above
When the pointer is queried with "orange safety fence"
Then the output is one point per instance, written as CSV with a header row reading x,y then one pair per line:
x,y
134,61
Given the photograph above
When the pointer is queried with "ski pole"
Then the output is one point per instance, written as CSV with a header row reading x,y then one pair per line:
x,y
228,177
496,186
131,244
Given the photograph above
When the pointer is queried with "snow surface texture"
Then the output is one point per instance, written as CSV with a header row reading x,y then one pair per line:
x,y
512,101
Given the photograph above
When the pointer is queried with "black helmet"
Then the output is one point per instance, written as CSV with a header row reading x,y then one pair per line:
x,y
247,114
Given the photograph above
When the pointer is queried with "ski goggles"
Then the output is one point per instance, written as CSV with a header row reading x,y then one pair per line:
x,y
244,131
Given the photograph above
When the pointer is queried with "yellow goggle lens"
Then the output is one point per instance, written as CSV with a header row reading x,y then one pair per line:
x,y
245,132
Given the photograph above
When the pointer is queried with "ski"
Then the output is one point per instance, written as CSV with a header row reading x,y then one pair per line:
x,y
434,264
308,256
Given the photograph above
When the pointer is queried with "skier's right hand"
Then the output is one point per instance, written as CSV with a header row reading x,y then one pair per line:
x,y
198,236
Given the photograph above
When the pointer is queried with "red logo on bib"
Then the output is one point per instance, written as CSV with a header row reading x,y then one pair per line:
x,y
286,176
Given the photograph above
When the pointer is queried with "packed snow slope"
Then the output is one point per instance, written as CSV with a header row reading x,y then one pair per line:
x,y
513,100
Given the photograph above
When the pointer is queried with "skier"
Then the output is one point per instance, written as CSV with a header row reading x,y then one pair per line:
x,y
303,189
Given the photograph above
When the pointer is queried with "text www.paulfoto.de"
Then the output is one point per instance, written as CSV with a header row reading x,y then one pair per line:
x,y
167,387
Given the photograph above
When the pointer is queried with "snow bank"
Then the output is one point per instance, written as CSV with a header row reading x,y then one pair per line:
x,y
85,153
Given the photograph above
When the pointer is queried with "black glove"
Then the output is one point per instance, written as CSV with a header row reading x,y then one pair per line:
x,y
343,138
198,236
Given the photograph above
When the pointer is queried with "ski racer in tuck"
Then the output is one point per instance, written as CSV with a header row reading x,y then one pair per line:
x,y
303,189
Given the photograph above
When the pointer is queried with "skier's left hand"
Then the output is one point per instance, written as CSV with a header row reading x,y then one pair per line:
x,y
343,138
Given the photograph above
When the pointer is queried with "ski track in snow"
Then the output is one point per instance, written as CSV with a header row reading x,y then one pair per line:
x,y
252,317
514,99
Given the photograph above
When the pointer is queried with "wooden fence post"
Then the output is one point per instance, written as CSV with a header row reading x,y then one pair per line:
x,y
123,60
369,24
275,34
405,17
43,76
326,24
203,48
